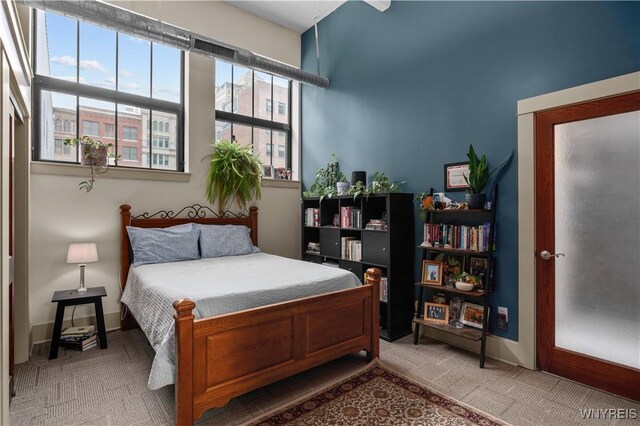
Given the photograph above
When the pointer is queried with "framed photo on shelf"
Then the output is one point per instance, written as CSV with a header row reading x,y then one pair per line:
x,y
437,313
454,176
478,266
452,264
431,272
267,171
472,315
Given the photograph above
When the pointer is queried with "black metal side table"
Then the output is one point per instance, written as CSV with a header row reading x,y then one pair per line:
x,y
66,298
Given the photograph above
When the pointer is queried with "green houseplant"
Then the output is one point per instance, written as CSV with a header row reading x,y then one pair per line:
x,y
94,154
478,178
234,173
326,180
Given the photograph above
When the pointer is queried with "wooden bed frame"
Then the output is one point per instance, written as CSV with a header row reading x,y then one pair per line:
x,y
221,357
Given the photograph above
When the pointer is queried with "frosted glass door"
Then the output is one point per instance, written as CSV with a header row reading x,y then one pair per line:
x,y
597,227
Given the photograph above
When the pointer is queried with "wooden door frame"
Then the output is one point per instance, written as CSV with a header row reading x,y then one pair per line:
x,y
526,195
605,375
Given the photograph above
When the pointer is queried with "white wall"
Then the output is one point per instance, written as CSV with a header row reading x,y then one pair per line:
x,y
61,214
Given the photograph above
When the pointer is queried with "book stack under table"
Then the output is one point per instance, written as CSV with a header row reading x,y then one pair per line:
x,y
79,338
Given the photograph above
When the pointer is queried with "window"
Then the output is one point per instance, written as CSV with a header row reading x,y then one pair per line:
x,y
58,146
115,83
130,133
160,159
90,128
244,111
130,153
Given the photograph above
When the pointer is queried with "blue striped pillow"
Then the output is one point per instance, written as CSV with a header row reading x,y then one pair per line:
x,y
161,245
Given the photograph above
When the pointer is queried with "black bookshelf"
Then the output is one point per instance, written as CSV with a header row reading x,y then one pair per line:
x,y
481,297
391,250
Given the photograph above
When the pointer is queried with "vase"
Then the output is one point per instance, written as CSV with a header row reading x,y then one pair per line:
x,y
342,187
475,201
456,311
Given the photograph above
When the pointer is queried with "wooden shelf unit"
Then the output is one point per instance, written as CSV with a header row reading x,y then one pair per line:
x,y
392,250
464,217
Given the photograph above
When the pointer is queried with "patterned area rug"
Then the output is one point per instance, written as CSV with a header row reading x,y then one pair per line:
x,y
377,396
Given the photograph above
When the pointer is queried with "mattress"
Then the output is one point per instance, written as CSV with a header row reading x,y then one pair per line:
x,y
218,286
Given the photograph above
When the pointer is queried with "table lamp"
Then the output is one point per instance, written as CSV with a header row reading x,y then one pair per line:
x,y
82,253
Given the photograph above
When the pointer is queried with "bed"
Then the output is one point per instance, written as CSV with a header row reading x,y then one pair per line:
x,y
218,342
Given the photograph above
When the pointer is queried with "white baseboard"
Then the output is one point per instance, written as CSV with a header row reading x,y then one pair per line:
x,y
498,348
41,333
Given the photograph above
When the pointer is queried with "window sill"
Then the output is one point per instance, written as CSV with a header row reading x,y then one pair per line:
x,y
46,168
273,183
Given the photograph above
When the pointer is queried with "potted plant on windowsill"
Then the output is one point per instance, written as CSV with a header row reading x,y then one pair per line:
x,y
235,173
479,177
94,154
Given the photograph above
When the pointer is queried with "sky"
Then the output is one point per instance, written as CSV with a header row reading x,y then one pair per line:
x,y
97,61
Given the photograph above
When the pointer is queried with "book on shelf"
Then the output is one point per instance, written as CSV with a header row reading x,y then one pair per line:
x,y
331,264
376,225
350,217
351,249
460,237
313,247
312,217
384,289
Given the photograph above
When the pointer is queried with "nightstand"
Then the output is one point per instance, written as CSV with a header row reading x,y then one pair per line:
x,y
66,298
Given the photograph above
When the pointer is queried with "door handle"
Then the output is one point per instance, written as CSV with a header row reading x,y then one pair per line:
x,y
545,255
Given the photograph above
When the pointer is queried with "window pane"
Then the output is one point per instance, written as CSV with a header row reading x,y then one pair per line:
x,y
166,73
262,144
223,86
97,56
281,100
56,46
223,131
164,141
242,90
133,146
241,133
94,116
134,65
56,107
262,106
280,149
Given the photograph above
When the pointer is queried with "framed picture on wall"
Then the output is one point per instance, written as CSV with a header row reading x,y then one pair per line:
x,y
454,176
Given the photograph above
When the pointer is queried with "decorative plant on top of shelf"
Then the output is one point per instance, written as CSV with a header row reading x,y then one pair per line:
x,y
324,184
479,177
235,172
94,154
380,183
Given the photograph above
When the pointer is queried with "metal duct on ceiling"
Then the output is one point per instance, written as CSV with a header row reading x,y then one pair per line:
x,y
125,21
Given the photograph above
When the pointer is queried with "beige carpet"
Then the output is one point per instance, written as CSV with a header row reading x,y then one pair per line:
x,y
109,387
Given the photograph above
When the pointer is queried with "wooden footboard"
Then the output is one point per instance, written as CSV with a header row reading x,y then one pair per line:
x,y
221,357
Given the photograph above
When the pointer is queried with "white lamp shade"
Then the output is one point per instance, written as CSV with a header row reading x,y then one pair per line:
x,y
82,253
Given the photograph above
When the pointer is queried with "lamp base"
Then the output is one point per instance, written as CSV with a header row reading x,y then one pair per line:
x,y
81,290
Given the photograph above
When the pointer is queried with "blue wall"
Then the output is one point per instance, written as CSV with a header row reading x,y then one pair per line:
x,y
412,87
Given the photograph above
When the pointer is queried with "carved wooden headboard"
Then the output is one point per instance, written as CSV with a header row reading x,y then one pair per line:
x,y
164,218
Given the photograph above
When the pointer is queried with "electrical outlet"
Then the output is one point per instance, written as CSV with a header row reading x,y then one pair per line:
x,y
503,318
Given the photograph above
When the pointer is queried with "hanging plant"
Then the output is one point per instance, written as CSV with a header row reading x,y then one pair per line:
x,y
94,154
234,173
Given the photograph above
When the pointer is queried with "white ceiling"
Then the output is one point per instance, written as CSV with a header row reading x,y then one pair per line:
x,y
297,15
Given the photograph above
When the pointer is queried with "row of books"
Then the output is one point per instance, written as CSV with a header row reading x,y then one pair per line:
x,y
79,338
313,247
350,217
458,236
312,217
351,249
